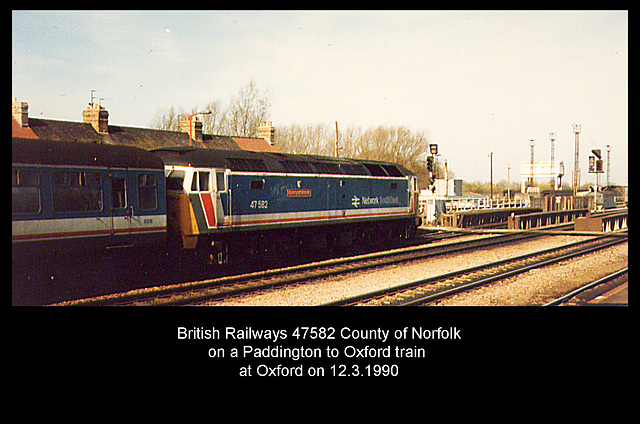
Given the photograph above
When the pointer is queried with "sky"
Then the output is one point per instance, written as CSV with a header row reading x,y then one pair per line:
x,y
476,81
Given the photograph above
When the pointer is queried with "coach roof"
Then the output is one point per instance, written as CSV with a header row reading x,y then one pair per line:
x,y
48,152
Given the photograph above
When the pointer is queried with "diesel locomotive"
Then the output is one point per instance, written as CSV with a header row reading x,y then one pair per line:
x,y
73,196
273,203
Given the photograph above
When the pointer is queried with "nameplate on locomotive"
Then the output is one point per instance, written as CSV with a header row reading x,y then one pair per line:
x,y
299,193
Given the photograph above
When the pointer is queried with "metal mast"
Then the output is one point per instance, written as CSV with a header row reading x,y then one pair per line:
x,y
532,143
608,165
576,163
554,179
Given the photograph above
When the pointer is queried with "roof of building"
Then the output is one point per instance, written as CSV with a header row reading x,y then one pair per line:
x,y
255,145
145,138
18,131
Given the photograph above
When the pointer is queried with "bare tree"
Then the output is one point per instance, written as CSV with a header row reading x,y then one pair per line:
x,y
213,123
168,118
241,117
246,111
310,139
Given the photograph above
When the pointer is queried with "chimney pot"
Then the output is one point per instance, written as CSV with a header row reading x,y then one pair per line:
x,y
268,132
97,116
195,128
20,112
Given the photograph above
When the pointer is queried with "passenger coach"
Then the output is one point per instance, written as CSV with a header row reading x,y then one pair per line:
x,y
73,195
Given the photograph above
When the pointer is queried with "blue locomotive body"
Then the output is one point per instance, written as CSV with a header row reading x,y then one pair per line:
x,y
274,199
222,198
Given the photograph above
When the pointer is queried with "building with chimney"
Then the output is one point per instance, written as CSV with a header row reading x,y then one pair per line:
x,y
95,128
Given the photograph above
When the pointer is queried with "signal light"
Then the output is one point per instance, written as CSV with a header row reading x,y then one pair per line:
x,y
430,163
430,169
599,166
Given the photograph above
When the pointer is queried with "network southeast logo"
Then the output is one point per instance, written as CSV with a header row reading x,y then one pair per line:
x,y
385,200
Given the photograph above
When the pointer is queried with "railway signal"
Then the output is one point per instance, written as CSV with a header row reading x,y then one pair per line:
x,y
430,169
596,166
599,166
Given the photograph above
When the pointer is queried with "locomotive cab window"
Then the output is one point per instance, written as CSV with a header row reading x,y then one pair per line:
x,y
257,184
25,191
221,183
200,181
147,192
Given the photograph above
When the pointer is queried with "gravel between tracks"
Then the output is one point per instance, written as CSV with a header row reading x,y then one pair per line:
x,y
530,288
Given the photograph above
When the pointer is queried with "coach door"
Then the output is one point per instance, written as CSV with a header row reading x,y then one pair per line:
x,y
136,208
121,207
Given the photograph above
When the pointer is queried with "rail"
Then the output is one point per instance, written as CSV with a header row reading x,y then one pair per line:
x,y
605,279
434,288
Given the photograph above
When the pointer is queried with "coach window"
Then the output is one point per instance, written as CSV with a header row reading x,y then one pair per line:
x,y
118,193
25,191
76,191
147,191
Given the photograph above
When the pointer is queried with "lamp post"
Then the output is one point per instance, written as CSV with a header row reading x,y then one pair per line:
x,y
206,112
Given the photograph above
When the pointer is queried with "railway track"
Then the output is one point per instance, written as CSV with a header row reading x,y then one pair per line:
x,y
430,290
621,275
204,292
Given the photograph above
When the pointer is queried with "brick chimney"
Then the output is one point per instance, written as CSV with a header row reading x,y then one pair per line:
x,y
98,117
266,131
20,112
195,130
